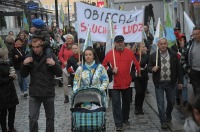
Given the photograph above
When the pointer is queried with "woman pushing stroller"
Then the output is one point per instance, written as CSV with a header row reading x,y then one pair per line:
x,y
89,98
92,73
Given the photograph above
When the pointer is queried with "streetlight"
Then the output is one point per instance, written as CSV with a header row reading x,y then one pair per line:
x,y
68,13
56,9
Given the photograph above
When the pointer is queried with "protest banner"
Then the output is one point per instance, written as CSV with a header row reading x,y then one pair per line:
x,y
128,24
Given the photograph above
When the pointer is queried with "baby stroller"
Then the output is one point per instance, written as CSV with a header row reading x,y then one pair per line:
x,y
88,110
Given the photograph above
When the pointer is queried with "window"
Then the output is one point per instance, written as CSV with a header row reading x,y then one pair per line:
x,y
46,6
52,7
59,7
70,7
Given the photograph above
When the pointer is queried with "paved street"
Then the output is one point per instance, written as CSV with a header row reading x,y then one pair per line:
x,y
148,122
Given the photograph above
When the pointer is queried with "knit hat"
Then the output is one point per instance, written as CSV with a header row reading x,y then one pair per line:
x,y
38,23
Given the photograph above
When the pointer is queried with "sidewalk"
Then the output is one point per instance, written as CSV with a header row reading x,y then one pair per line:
x,y
149,122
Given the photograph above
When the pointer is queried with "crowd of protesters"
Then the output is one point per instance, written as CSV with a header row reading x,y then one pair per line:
x,y
42,53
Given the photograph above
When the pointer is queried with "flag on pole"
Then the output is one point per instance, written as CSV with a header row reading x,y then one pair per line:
x,y
170,36
158,34
88,40
151,27
111,4
189,25
144,36
62,14
105,3
110,36
25,22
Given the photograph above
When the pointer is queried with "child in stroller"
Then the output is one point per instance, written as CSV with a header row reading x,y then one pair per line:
x,y
88,109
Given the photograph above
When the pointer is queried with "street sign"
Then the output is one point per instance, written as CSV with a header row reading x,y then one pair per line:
x,y
32,5
100,4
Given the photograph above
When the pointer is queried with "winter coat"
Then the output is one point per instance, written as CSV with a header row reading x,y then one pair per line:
x,y
175,68
100,52
124,61
143,65
17,62
8,95
64,54
72,65
42,76
99,80
186,62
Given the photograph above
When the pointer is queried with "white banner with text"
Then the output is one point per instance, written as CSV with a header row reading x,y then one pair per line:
x,y
128,24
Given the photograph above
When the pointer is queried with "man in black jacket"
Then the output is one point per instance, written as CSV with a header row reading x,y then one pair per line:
x,y
42,71
165,75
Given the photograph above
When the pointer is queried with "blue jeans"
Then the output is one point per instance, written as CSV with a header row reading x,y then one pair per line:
x,y
34,111
22,81
184,90
170,92
120,110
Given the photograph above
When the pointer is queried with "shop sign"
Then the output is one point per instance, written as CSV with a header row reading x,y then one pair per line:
x,y
31,5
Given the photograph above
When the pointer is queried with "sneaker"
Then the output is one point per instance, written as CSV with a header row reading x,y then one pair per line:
x,y
119,128
66,99
127,123
164,125
25,94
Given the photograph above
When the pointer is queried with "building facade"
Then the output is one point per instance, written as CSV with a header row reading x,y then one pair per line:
x,y
176,8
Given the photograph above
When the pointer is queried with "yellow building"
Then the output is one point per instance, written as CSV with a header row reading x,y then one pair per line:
x,y
50,4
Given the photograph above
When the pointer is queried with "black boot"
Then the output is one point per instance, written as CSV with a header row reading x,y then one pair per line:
x,y
66,99
178,101
141,111
137,111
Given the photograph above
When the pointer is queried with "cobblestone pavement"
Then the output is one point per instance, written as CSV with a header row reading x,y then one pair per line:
x,y
149,122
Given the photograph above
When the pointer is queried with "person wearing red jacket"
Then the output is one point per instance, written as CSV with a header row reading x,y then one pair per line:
x,y
64,54
121,79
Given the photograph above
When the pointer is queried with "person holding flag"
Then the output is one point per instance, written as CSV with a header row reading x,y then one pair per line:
x,y
118,63
91,73
166,69
142,80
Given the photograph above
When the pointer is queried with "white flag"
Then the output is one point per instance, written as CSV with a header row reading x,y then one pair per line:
x,y
189,25
151,27
158,34
110,36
